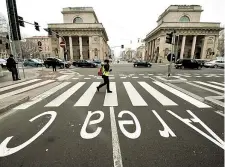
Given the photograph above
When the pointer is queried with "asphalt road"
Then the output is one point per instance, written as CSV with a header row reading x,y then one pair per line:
x,y
142,123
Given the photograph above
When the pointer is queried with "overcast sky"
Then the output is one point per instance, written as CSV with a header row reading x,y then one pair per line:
x,y
124,20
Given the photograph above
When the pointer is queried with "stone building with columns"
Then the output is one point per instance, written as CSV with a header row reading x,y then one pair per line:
x,y
194,39
84,36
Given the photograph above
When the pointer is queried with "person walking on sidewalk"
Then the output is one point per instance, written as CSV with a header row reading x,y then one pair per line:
x,y
54,65
11,66
105,75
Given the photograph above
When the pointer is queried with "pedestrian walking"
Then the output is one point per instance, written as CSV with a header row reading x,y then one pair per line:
x,y
11,66
54,65
104,71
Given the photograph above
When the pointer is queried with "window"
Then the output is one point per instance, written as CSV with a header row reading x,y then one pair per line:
x,y
78,20
184,19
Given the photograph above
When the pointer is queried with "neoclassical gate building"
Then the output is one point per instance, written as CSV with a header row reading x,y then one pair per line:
x,y
194,39
85,37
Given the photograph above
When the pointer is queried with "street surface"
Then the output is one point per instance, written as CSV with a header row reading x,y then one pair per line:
x,y
143,123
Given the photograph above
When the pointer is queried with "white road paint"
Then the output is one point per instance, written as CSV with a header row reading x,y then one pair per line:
x,y
90,75
41,96
75,78
17,85
134,96
63,97
135,77
150,74
198,76
121,123
62,77
99,77
86,98
5,151
220,113
111,77
123,77
117,158
111,98
209,85
167,132
141,74
217,83
87,78
145,76
25,89
83,133
181,95
165,101
219,142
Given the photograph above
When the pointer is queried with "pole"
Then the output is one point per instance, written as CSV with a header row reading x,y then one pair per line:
x,y
22,62
177,48
172,53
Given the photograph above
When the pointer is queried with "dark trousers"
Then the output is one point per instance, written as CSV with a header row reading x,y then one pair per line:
x,y
54,68
106,82
14,74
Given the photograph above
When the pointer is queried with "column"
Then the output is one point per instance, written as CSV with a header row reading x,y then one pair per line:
x,y
182,47
215,50
193,46
71,47
61,52
203,50
81,49
90,48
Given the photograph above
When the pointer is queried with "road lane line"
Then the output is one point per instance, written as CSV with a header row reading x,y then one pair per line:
x,y
111,98
86,98
134,96
217,83
62,77
25,89
183,96
165,101
17,85
117,158
63,97
42,96
209,85
220,113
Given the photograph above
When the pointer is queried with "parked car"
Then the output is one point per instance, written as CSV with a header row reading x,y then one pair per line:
x,y
214,64
142,63
32,63
3,63
187,63
48,62
85,63
97,62
201,61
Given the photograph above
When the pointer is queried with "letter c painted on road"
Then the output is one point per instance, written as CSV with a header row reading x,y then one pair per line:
x,y
135,134
4,151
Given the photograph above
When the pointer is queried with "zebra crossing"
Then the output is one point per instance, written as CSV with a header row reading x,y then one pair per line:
x,y
137,96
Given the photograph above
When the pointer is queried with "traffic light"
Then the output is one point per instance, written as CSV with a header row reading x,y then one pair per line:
x,y
169,37
122,46
57,35
36,26
21,21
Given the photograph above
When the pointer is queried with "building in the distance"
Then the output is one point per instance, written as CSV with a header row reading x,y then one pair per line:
x,y
84,36
4,51
195,39
140,54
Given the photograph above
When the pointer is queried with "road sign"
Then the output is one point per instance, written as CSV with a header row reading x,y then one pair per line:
x,y
39,43
62,44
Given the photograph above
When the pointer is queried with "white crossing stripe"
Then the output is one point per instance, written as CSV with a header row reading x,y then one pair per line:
x,y
86,98
62,77
135,77
165,101
145,76
17,85
123,77
42,96
63,97
25,89
111,98
134,96
217,83
141,74
75,78
150,74
189,99
111,77
209,85
87,78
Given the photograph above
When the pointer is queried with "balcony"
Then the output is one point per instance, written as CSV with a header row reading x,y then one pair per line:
x,y
76,26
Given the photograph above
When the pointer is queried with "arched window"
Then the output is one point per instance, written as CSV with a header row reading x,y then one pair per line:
x,y
78,20
184,19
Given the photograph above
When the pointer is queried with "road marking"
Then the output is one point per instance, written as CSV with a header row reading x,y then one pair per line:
x,y
150,74
141,74
117,158
189,99
25,89
111,77
217,83
90,75
123,77
75,78
86,98
17,85
165,101
87,78
62,77
42,96
134,96
145,76
135,77
63,97
209,85
99,77
199,76
111,98
218,112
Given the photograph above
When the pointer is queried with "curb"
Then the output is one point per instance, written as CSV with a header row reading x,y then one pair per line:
x,y
12,105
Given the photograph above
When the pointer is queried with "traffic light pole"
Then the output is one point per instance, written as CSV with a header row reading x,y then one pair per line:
x,y
172,53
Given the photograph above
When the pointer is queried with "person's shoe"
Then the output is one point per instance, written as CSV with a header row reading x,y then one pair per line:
x,y
98,89
18,79
109,91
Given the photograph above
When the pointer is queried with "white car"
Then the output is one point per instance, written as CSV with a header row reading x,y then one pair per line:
x,y
214,64
3,62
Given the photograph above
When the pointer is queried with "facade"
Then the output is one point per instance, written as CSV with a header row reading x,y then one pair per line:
x,y
141,52
194,39
84,36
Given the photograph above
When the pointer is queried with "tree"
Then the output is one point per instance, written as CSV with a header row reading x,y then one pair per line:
x,y
29,49
221,43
